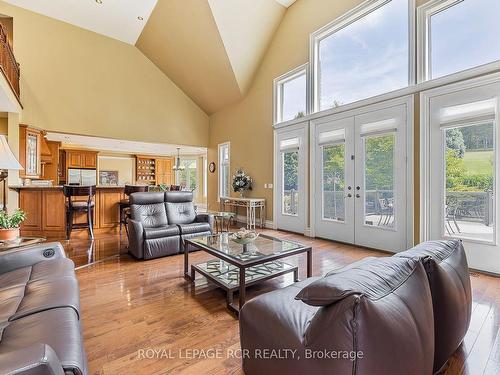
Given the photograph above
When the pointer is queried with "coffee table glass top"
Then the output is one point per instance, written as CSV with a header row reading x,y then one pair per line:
x,y
260,249
223,214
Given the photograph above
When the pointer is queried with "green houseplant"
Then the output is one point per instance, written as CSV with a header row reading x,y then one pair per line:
x,y
9,224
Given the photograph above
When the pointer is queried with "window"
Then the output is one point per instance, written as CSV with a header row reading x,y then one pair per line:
x,y
187,177
224,170
290,185
457,35
363,54
291,95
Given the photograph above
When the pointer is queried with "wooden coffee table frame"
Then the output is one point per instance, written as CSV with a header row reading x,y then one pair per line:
x,y
242,266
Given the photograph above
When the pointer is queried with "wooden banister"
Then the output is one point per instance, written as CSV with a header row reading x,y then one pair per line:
x,y
8,64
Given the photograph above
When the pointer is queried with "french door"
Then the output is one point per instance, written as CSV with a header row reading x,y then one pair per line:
x,y
360,178
291,152
461,166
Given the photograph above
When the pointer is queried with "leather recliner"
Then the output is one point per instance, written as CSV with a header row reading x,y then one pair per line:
x,y
160,222
447,270
406,318
39,313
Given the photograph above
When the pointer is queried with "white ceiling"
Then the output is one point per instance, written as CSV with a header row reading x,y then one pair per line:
x,y
117,19
286,3
122,146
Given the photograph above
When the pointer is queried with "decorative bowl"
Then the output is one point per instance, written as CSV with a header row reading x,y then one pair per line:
x,y
244,240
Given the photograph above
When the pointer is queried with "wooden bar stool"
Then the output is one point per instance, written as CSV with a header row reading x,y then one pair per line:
x,y
125,204
72,206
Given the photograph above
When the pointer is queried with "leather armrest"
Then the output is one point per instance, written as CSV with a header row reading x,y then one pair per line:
x,y
136,238
30,255
37,359
206,218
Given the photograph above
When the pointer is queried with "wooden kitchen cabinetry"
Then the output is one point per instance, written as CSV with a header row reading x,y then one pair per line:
x,y
30,151
81,159
51,166
164,171
145,170
45,208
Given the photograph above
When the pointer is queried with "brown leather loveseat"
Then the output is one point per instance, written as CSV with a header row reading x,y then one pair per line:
x,y
404,314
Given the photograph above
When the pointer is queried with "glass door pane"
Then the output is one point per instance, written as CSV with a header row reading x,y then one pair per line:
x,y
333,187
469,155
290,193
379,204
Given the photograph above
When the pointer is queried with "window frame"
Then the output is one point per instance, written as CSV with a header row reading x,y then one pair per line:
x,y
278,91
424,14
220,164
345,20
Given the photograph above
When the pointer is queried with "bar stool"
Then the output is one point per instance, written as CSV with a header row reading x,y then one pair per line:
x,y
73,206
125,204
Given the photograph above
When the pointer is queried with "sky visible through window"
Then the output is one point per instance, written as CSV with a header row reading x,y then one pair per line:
x,y
294,98
366,58
464,36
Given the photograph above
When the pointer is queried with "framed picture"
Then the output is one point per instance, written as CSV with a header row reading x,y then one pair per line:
x,y
108,178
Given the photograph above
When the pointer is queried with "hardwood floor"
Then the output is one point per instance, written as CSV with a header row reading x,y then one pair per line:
x,y
129,306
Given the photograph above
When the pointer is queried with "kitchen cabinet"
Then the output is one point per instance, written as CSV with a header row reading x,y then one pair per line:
x,y
31,203
81,159
50,167
30,151
164,171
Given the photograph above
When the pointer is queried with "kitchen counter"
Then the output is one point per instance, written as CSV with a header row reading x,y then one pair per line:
x,y
45,207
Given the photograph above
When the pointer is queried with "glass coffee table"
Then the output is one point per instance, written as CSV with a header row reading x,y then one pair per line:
x,y
239,266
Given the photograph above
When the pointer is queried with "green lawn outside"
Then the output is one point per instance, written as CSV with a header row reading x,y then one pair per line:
x,y
479,162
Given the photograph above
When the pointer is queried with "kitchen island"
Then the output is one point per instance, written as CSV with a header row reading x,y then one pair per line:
x,y
46,213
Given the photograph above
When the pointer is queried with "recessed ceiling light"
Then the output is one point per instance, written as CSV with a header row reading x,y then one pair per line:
x,y
98,1
140,18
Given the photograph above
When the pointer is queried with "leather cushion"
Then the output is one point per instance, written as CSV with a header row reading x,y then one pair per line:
x,y
373,279
168,231
58,328
143,198
160,247
55,268
150,215
180,213
10,298
15,277
49,294
178,196
194,228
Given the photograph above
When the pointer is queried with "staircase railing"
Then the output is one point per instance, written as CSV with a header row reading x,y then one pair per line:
x,y
8,64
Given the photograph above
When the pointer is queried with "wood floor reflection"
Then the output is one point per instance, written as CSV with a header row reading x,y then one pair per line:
x,y
129,306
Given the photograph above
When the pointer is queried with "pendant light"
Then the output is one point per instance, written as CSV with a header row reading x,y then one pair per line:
x,y
177,165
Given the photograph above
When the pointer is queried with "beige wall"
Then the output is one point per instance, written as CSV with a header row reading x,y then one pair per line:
x,y
248,124
77,81
124,164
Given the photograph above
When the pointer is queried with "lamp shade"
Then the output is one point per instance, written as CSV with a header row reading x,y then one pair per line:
x,y
7,158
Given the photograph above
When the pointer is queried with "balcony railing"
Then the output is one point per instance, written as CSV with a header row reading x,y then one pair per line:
x,y
8,64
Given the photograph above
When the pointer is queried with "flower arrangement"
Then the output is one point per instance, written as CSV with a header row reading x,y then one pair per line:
x,y
241,181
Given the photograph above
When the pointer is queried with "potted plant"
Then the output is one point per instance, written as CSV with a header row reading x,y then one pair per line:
x,y
9,224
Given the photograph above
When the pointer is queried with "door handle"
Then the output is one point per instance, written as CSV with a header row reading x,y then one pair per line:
x,y
358,196
358,188
349,195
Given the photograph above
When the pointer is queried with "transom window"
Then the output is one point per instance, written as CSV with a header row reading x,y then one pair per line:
x,y
457,35
363,54
291,95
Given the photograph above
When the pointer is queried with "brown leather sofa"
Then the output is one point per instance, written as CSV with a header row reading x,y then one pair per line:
x,y
160,222
40,313
376,316
448,273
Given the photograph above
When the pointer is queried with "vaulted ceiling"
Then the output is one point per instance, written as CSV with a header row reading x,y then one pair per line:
x,y
210,48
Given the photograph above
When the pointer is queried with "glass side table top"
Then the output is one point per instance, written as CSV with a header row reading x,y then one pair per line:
x,y
263,247
223,214
20,241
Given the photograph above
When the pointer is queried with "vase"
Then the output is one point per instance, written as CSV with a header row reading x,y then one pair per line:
x,y
9,234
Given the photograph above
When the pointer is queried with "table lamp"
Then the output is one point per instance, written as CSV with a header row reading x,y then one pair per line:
x,y
7,161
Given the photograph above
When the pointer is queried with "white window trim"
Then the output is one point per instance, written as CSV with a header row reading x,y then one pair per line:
x,y
346,19
425,98
278,91
219,164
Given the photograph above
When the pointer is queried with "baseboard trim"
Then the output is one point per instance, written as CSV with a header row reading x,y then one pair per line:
x,y
242,219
